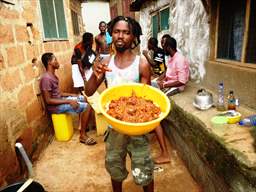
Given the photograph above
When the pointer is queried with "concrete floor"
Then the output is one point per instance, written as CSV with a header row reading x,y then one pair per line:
x,y
74,167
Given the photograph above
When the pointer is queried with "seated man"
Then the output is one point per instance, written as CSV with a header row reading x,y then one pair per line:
x,y
155,56
177,73
57,102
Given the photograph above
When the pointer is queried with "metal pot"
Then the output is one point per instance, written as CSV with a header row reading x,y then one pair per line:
x,y
203,100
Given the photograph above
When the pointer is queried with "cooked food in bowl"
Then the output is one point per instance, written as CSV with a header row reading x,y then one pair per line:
x,y
141,90
133,109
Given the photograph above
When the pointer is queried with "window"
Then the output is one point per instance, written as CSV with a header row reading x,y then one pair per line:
x,y
160,21
251,46
54,23
75,23
164,19
155,27
236,38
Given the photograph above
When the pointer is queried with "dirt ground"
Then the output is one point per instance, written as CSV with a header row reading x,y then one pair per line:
x,y
75,167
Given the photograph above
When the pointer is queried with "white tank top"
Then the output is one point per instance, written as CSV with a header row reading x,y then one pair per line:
x,y
118,76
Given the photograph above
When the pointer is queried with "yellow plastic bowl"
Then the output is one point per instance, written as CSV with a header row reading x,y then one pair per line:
x,y
234,119
141,90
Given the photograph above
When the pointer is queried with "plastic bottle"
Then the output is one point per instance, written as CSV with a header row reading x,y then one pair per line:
x,y
248,121
220,102
231,101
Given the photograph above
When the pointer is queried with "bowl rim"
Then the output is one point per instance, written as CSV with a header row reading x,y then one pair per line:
x,y
238,114
160,118
234,117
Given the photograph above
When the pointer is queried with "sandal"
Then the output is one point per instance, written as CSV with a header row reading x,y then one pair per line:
x,y
88,141
158,169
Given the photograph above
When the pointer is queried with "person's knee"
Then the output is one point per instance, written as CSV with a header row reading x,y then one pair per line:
x,y
82,107
142,168
116,170
142,176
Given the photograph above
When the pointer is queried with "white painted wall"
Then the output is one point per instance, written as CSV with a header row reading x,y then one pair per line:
x,y
93,13
188,24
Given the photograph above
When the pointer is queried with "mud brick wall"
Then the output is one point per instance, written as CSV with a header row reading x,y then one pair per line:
x,y
22,116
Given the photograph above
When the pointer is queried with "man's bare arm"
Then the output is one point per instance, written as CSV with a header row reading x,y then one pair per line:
x,y
55,101
92,84
98,75
64,94
149,57
97,44
145,73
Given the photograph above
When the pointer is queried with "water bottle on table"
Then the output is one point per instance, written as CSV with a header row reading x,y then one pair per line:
x,y
248,121
220,101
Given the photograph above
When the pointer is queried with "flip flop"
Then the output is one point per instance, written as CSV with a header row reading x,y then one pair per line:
x,y
158,169
88,141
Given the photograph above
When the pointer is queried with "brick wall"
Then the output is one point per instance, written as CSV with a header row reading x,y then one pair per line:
x,y
22,117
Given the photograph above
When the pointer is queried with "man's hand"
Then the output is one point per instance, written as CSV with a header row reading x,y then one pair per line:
x,y
100,67
74,104
144,52
160,84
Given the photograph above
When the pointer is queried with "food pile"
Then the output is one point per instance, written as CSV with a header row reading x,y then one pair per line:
x,y
133,109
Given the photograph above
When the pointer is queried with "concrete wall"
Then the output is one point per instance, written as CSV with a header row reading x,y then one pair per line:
x,y
22,117
93,13
241,80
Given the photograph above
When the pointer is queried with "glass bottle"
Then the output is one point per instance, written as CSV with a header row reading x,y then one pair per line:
x,y
231,101
220,102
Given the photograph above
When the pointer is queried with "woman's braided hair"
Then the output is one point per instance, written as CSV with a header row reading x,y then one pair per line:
x,y
133,25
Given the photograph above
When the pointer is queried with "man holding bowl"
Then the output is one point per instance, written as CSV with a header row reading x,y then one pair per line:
x,y
124,67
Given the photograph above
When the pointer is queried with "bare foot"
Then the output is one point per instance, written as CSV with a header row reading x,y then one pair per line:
x,y
162,159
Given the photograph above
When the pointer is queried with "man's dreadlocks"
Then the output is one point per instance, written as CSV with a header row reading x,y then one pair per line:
x,y
133,25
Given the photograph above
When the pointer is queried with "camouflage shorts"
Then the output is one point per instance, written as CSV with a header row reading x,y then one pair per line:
x,y
117,147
